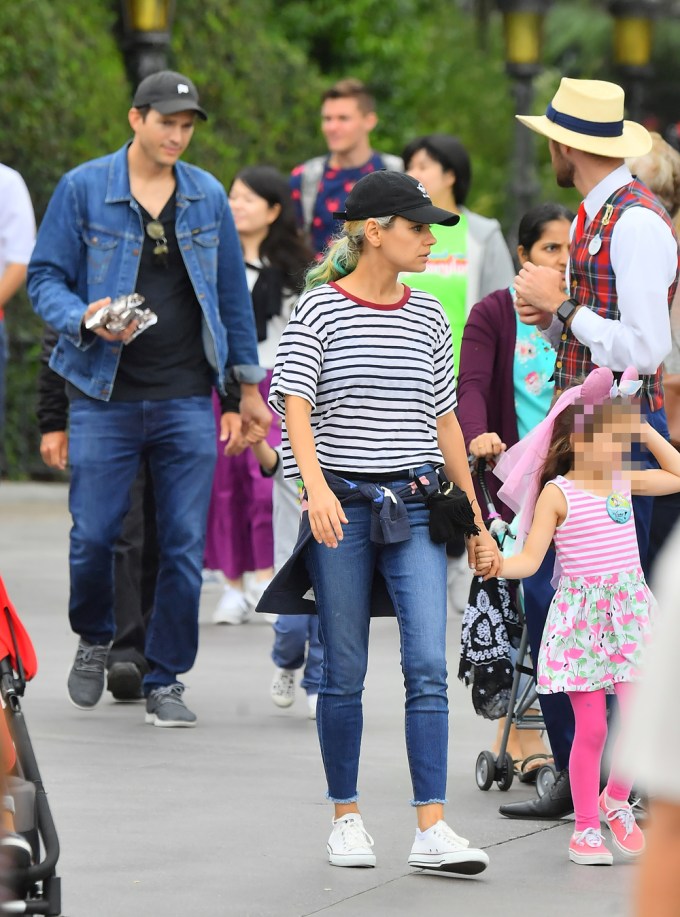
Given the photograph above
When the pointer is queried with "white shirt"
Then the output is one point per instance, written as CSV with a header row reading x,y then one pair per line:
x,y
266,350
17,222
644,258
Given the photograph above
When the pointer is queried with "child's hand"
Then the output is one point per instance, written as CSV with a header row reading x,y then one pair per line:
x,y
483,559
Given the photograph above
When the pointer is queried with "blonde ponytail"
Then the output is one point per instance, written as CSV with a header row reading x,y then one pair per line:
x,y
342,256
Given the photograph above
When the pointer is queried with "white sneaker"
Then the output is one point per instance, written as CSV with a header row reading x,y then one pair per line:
x,y
232,607
282,691
441,848
311,705
350,843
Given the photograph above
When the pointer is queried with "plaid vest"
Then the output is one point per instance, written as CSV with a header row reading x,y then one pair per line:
x,y
593,284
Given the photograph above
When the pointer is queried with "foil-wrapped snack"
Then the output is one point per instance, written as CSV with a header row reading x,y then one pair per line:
x,y
120,313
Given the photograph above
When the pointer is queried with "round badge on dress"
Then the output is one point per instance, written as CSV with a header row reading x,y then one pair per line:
x,y
595,245
618,508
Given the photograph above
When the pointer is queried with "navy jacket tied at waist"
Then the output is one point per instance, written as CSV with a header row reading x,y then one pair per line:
x,y
287,592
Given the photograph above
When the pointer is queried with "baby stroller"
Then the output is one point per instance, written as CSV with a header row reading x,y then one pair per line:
x,y
36,888
510,691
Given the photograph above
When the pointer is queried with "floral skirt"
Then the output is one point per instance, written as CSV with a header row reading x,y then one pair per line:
x,y
595,633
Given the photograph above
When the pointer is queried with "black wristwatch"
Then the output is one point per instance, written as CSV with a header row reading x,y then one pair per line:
x,y
567,309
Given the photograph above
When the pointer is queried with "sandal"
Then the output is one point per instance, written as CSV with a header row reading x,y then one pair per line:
x,y
528,774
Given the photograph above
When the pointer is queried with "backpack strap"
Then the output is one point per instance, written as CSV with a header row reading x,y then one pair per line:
x,y
312,171
392,163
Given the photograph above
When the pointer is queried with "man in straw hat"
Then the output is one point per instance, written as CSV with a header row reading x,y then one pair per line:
x,y
623,272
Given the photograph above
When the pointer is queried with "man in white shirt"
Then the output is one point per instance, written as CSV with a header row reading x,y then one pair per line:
x,y
622,276
623,260
17,237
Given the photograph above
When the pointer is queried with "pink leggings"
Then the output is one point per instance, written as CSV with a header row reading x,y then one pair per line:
x,y
590,714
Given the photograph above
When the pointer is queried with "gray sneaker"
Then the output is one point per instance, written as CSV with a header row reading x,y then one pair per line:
x,y
165,707
88,674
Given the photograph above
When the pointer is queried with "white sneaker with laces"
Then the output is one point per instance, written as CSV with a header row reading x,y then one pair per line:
x,y
350,843
311,705
232,607
441,848
282,691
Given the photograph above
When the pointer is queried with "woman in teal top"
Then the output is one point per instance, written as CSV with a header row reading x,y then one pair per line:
x,y
469,260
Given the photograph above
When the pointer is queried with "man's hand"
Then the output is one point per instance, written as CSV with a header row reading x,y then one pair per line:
x,y
230,433
54,449
530,315
541,287
486,446
254,412
102,332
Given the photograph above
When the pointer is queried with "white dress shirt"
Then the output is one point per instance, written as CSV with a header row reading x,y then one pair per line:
x,y
644,258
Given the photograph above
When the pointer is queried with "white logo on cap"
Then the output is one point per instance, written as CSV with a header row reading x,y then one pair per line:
x,y
182,87
422,190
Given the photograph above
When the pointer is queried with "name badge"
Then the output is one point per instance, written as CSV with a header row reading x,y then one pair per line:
x,y
618,508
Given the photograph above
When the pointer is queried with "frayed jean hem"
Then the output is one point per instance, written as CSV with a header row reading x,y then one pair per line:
x,y
429,802
342,802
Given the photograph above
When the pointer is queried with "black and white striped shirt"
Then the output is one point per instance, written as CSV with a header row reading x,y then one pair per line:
x,y
377,378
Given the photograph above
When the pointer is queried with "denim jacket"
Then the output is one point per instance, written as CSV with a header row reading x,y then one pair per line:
x,y
89,246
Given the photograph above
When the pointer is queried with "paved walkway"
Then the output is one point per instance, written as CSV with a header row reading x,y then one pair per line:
x,y
229,819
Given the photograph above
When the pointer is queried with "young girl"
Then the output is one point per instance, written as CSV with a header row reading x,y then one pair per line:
x,y
599,619
364,377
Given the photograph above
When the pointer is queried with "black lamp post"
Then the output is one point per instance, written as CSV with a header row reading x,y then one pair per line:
x,y
147,25
523,30
633,36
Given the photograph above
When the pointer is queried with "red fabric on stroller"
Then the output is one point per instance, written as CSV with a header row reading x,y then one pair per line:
x,y
24,648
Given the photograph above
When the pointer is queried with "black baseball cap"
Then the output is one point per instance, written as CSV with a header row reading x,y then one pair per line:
x,y
168,92
383,194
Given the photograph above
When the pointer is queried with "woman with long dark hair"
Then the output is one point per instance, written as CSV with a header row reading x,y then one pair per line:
x,y
239,536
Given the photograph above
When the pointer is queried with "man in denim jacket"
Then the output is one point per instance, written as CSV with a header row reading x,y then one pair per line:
x,y
141,220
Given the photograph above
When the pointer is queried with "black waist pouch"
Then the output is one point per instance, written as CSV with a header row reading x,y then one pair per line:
x,y
451,512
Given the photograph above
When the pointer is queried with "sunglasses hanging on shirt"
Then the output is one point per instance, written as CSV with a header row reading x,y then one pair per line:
x,y
156,231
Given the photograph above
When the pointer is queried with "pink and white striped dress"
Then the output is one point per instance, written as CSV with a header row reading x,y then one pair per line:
x,y
599,619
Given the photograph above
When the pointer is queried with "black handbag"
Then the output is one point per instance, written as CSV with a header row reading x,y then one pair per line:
x,y
451,512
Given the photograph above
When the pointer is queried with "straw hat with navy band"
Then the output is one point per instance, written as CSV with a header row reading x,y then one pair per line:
x,y
588,115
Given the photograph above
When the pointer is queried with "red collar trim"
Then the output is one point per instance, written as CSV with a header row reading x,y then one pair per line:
x,y
382,307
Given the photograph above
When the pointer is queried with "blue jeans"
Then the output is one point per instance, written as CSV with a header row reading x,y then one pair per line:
x,y
415,573
292,634
643,506
107,441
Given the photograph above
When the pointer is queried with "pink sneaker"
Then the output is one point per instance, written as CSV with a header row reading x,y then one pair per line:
x,y
586,848
626,834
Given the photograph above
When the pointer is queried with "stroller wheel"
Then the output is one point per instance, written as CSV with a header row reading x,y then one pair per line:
x,y
545,778
485,770
505,773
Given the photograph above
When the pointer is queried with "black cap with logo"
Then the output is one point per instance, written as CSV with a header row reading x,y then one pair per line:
x,y
382,194
168,92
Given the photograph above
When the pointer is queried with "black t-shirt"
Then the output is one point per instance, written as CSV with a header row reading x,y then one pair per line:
x,y
167,360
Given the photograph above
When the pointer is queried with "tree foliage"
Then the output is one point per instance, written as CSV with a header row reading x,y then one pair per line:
x,y
261,66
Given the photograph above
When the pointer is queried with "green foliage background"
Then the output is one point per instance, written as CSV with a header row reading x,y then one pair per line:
x,y
261,66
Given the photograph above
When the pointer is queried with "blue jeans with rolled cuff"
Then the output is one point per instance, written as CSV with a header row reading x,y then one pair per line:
x,y
107,442
415,573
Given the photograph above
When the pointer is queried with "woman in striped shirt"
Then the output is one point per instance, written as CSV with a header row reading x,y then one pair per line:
x,y
599,620
364,380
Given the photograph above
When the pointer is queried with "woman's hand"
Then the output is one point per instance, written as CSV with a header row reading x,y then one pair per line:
x,y
326,516
486,446
483,555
